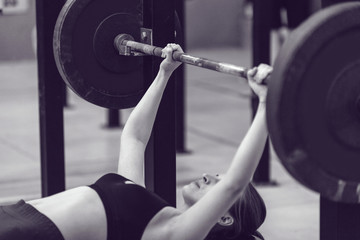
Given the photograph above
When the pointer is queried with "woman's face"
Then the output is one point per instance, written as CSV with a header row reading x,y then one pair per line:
x,y
197,189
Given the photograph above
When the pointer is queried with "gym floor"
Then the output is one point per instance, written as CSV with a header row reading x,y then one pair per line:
x,y
218,114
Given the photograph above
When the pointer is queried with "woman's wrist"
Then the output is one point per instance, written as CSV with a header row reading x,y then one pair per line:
x,y
262,105
262,100
164,73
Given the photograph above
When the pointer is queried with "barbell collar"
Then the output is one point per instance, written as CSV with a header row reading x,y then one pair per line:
x,y
125,41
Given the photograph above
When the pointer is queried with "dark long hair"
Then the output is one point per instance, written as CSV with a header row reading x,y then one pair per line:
x,y
249,213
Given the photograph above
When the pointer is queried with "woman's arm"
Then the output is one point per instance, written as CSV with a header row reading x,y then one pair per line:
x,y
137,130
197,221
248,154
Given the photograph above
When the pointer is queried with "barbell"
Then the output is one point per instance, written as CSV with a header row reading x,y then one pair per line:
x,y
126,46
313,102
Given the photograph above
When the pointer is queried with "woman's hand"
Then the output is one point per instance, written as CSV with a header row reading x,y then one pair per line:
x,y
168,64
255,78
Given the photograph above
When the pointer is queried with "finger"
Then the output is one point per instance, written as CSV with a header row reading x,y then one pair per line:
x,y
177,48
164,52
265,67
263,73
259,78
172,46
252,72
167,51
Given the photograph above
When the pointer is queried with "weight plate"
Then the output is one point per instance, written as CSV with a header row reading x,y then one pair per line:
x,y
85,54
313,103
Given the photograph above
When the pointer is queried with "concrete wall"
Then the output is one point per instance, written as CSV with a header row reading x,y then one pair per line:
x,y
214,23
16,34
209,23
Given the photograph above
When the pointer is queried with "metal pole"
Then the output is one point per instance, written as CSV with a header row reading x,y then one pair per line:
x,y
160,155
113,118
180,127
50,101
261,54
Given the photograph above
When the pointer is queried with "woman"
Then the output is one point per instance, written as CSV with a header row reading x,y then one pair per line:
x,y
118,206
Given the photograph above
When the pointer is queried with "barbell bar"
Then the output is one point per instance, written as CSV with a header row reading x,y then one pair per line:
x,y
126,46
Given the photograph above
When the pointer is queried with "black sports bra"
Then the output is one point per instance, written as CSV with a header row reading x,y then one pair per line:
x,y
129,207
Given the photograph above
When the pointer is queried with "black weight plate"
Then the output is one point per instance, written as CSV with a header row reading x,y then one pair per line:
x,y
313,111
86,57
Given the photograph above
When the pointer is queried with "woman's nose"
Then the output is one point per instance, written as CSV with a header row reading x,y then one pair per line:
x,y
206,178
209,178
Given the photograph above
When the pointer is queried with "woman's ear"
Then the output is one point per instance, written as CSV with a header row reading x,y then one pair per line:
x,y
226,220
